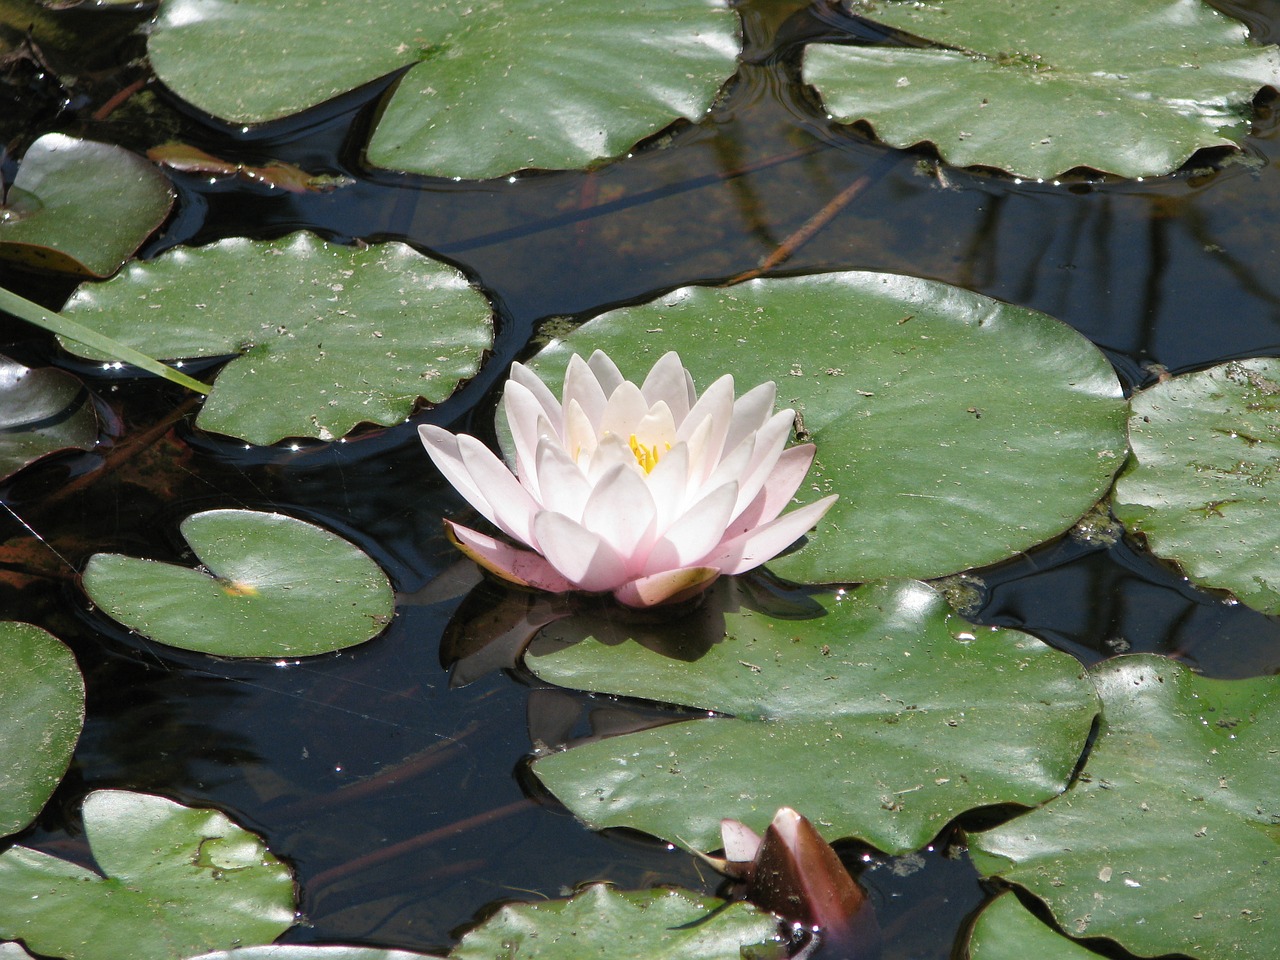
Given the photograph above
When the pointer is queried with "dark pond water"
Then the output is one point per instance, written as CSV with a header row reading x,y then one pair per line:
x,y
403,802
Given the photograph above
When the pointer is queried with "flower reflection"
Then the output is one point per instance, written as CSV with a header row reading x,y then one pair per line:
x,y
647,492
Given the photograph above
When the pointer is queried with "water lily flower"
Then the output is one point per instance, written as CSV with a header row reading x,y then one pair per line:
x,y
647,492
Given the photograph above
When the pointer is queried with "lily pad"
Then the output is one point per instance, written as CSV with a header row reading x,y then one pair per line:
x,y
1006,930
957,430
81,207
41,713
329,336
905,715
293,951
42,411
1169,841
604,923
176,881
1206,451
270,586
493,87
1039,88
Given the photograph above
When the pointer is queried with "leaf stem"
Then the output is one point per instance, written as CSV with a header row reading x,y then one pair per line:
x,y
64,326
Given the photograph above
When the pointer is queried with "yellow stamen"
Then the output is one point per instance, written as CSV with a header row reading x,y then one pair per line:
x,y
647,457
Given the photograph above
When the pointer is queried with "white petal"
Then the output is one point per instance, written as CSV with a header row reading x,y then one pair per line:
x,y
511,505
578,554
657,428
717,406
621,511
762,544
564,486
667,383
624,411
740,842
522,567
606,371
780,486
581,385
750,412
669,586
442,446
668,486
769,443
531,382
611,451
528,422
695,534
699,444
580,436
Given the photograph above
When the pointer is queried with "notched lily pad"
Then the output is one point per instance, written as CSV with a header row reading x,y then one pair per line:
x,y
276,586
328,336
41,713
42,411
1039,88
601,923
909,715
957,430
1006,930
491,88
81,207
175,881
293,951
1169,841
1203,485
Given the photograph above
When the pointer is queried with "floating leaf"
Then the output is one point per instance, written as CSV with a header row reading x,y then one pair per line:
x,y
1039,88
1006,930
604,923
330,336
906,715
81,207
276,587
1169,840
292,951
41,713
41,412
493,87
1206,451
175,882
957,430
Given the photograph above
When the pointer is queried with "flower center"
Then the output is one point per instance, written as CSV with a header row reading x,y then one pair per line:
x,y
647,457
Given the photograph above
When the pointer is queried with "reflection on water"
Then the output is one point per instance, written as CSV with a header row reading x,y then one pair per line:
x,y
401,799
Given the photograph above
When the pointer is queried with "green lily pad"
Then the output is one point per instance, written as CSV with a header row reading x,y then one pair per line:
x,y
1039,88
81,207
1206,449
276,587
41,713
604,923
329,336
957,430
1169,842
41,412
175,881
493,87
292,951
1006,930
907,715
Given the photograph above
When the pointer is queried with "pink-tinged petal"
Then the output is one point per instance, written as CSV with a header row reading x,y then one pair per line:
x,y
760,545
521,567
583,558
741,843
750,412
511,505
606,372
699,444
612,451
546,399
625,409
695,534
669,486
620,510
442,447
769,443
667,383
657,428
716,404
582,387
528,422
779,487
564,486
670,586
580,437
733,465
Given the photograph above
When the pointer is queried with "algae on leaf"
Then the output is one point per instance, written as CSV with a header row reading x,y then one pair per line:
x,y
1038,88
